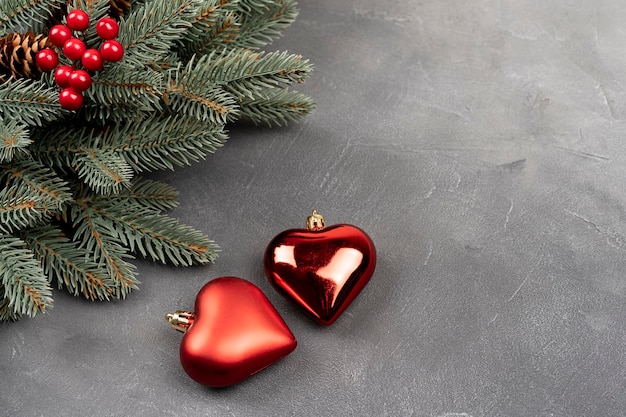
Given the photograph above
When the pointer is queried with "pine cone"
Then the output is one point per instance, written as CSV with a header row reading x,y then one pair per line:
x,y
118,7
58,12
18,52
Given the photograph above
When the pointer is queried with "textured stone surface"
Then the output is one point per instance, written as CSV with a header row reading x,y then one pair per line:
x,y
481,145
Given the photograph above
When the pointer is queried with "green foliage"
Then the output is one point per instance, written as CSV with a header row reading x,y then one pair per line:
x,y
41,180
24,284
120,90
99,240
31,195
154,235
73,213
149,31
214,26
276,107
157,143
262,21
150,194
31,102
104,171
64,263
14,139
245,73
195,96
15,14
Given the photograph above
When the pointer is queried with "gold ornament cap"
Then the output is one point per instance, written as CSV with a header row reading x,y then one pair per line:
x,y
315,221
181,320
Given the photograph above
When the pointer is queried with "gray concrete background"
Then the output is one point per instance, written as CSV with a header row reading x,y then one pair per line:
x,y
482,146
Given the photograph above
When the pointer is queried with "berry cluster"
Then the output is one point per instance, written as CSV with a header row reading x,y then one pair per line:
x,y
72,79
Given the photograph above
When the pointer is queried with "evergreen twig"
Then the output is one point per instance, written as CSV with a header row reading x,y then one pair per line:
x,y
263,21
148,32
276,107
99,239
72,211
14,139
23,280
154,195
65,264
152,144
244,73
15,14
155,235
214,26
31,102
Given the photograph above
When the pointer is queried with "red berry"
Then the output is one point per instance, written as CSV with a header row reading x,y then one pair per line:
x,y
58,34
112,51
80,80
73,48
70,99
62,76
78,20
47,59
107,28
92,60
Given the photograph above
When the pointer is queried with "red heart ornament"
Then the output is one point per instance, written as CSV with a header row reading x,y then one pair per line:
x,y
234,333
323,269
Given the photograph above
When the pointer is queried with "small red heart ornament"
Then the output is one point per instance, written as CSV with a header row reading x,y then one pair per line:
x,y
322,269
234,333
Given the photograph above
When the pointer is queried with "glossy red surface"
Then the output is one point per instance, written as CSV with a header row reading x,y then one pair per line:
x,y
74,48
62,76
77,20
107,28
321,270
70,99
80,80
112,50
58,34
92,60
236,333
47,59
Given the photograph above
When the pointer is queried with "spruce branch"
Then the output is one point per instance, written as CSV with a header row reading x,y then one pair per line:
x,y
149,32
148,193
6,312
31,195
246,73
64,263
71,210
97,236
276,107
122,92
105,172
18,209
215,25
21,207
16,14
174,141
29,101
22,278
154,235
40,179
152,144
263,21
191,94
14,139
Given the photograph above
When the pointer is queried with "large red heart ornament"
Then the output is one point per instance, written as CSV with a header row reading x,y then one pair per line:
x,y
234,333
322,269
